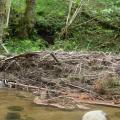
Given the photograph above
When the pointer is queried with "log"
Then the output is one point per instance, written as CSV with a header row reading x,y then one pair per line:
x,y
107,103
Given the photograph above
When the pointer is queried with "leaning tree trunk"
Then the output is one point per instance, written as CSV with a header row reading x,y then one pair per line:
x,y
3,17
28,21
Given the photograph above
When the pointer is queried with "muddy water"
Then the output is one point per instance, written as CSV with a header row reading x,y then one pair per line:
x,y
15,105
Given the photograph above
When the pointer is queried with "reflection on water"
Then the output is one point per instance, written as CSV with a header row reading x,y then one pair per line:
x,y
15,108
13,116
15,105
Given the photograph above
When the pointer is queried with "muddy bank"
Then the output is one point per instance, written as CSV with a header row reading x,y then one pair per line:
x,y
95,74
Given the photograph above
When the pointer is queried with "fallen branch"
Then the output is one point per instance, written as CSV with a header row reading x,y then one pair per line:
x,y
84,89
6,50
48,102
18,56
110,104
28,87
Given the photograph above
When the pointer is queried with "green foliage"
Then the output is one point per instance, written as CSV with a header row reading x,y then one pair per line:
x,y
66,45
18,5
20,46
51,17
106,10
51,13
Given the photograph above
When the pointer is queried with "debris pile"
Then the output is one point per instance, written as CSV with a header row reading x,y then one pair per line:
x,y
89,76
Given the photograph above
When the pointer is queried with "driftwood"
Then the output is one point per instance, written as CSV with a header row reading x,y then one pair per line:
x,y
60,106
30,87
37,101
26,55
20,55
107,103
86,90
76,62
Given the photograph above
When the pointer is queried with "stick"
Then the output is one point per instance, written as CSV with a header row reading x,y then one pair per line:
x,y
33,87
54,57
110,104
6,50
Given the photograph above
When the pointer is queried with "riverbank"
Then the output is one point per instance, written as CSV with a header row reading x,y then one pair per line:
x,y
83,76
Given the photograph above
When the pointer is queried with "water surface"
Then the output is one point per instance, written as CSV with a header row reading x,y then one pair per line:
x,y
17,105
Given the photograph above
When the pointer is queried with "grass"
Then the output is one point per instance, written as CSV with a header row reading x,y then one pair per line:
x,y
27,45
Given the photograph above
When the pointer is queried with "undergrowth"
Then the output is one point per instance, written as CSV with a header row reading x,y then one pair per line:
x,y
51,18
20,46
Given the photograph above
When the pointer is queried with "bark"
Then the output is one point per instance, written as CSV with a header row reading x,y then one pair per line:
x,y
2,18
28,21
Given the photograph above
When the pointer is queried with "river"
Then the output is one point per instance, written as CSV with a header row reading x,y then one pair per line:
x,y
17,105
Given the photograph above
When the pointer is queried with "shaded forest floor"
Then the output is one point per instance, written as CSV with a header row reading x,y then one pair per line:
x,y
87,76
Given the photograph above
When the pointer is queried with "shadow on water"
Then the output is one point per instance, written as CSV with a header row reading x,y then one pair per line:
x,y
15,108
16,116
13,116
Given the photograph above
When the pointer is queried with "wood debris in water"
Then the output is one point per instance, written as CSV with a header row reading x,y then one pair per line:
x,y
65,73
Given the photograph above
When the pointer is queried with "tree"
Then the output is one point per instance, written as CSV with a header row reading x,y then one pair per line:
x,y
71,18
3,19
28,20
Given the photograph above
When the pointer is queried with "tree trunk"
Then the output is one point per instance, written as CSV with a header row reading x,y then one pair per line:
x,y
28,21
2,17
